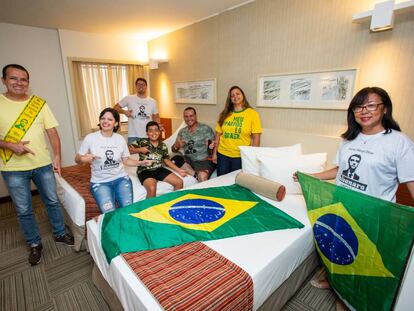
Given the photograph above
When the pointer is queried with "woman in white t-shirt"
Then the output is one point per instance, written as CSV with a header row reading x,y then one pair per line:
x,y
374,157
107,152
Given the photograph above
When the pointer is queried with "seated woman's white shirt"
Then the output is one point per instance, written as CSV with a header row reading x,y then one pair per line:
x,y
109,151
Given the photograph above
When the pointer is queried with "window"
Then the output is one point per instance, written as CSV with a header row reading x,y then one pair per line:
x,y
100,85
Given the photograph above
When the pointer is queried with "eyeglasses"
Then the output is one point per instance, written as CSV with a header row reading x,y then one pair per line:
x,y
369,107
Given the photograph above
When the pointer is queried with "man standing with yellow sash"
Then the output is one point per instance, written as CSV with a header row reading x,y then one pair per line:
x,y
25,157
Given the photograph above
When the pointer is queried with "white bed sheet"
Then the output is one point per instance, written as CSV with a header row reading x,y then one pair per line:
x,y
269,257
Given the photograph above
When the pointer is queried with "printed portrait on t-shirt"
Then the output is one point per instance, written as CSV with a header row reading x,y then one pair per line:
x,y
142,114
190,147
349,177
353,162
109,161
109,154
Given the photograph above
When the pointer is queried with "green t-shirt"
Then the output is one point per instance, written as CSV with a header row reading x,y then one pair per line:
x,y
196,142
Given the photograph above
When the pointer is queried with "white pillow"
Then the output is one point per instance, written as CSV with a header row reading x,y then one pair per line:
x,y
250,164
281,169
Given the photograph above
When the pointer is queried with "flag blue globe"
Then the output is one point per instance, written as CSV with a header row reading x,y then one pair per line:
x,y
336,239
196,211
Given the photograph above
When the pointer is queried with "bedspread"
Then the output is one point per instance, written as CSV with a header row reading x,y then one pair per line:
x,y
193,276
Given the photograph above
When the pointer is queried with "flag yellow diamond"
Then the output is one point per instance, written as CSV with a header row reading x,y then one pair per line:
x,y
196,212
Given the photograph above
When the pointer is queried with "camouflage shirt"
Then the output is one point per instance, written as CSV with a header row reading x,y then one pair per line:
x,y
196,147
157,153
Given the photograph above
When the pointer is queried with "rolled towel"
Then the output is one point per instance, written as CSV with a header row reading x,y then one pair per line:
x,y
269,189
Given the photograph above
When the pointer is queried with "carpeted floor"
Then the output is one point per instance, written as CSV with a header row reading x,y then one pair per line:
x,y
62,281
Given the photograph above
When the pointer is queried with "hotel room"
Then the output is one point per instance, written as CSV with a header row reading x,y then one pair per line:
x,y
259,45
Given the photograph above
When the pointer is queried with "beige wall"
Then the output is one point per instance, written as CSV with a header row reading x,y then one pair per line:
x,y
288,36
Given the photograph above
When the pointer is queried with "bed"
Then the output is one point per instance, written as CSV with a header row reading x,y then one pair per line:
x,y
277,272
277,261
78,204
270,258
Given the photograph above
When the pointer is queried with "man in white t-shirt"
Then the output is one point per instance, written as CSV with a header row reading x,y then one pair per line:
x,y
140,110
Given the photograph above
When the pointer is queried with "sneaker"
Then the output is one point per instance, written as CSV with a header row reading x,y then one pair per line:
x,y
35,254
65,239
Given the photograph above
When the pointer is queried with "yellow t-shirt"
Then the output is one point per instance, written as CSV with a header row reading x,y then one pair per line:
x,y
237,130
10,110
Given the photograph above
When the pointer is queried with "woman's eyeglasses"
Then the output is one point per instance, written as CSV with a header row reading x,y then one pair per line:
x,y
369,107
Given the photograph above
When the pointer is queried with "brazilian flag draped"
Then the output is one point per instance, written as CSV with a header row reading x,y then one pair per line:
x,y
364,242
187,216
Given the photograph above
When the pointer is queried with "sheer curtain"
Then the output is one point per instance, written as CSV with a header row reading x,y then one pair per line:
x,y
101,85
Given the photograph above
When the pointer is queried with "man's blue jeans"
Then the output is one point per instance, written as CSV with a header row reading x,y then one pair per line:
x,y
107,193
18,184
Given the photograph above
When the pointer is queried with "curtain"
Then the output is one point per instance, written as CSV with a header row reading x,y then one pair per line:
x,y
101,85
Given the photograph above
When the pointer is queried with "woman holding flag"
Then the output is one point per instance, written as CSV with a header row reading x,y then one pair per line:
x,y
374,157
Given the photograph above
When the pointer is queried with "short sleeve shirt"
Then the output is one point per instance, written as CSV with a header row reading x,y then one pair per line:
x,y
376,164
108,165
35,135
237,130
156,153
196,143
142,111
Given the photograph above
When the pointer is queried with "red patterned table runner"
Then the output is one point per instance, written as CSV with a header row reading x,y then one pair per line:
x,y
78,176
193,277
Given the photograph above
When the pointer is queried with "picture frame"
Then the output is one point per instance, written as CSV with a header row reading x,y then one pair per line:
x,y
196,92
312,90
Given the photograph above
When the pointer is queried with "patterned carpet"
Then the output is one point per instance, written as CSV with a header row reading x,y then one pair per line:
x,y
62,281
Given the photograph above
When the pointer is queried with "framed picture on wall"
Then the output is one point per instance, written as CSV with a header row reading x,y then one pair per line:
x,y
196,92
314,90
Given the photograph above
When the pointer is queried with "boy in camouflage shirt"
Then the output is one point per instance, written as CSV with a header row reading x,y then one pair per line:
x,y
152,148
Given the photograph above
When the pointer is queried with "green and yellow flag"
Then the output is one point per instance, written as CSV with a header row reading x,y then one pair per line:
x,y
187,216
364,242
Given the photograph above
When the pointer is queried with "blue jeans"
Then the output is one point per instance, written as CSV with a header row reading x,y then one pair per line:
x,y
107,193
18,184
227,164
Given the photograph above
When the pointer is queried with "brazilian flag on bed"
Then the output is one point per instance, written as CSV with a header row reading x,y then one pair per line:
x,y
364,242
187,216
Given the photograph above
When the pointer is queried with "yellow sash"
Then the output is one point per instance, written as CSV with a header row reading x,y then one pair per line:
x,y
22,124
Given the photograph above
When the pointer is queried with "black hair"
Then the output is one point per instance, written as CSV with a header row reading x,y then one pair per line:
x,y
15,66
114,113
151,123
356,155
190,108
141,79
359,99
